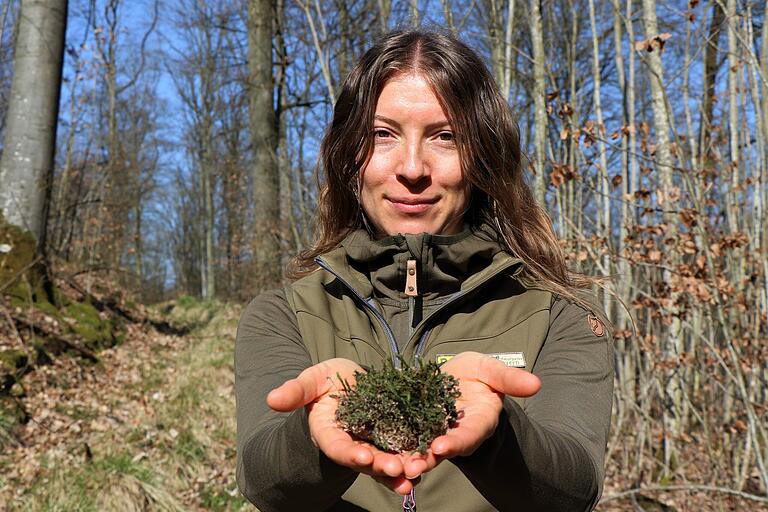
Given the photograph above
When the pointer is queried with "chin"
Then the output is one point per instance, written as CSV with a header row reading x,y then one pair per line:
x,y
415,228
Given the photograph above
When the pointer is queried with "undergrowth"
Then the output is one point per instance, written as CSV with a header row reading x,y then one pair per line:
x,y
152,428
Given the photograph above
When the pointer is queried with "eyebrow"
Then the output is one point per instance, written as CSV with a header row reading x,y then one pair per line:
x,y
397,125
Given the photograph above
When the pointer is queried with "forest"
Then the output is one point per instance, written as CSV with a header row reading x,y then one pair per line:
x,y
158,171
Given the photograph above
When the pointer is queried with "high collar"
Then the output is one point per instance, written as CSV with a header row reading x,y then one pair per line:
x,y
443,262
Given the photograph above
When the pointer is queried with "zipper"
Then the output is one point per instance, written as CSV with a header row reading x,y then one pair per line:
x,y
376,313
421,344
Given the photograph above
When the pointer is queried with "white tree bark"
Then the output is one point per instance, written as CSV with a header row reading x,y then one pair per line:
x,y
733,114
539,98
604,216
672,342
26,167
507,82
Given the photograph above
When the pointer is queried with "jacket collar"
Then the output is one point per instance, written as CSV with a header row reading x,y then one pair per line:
x,y
445,264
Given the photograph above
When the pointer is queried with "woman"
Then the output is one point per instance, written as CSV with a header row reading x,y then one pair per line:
x,y
430,244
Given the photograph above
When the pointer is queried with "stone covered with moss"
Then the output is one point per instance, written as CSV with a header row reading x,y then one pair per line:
x,y
63,318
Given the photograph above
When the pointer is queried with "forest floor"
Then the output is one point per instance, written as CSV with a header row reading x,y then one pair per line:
x,y
151,426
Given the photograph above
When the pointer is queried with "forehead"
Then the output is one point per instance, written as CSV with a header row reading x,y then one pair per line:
x,y
410,93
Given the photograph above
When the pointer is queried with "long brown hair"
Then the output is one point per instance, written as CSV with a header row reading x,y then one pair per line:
x,y
487,138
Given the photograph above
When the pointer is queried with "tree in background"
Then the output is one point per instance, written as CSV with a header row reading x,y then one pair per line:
x,y
26,168
266,194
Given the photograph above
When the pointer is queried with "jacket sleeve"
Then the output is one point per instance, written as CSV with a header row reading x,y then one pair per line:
x,y
549,453
278,466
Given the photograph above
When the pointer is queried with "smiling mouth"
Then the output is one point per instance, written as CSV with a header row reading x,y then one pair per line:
x,y
412,205
412,200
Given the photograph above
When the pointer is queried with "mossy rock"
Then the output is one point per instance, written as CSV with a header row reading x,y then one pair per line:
x,y
91,327
13,364
21,253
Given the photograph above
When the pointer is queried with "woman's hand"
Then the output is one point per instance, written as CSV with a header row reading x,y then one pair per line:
x,y
313,389
483,382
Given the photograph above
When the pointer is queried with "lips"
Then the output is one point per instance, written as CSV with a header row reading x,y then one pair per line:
x,y
412,204
413,200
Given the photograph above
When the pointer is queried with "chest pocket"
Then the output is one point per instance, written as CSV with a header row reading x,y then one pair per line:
x,y
510,323
332,324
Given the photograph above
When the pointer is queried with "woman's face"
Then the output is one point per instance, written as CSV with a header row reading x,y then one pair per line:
x,y
413,182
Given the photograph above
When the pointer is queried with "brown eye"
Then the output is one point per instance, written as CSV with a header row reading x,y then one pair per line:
x,y
446,136
380,134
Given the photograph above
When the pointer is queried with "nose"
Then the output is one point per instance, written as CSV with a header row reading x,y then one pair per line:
x,y
413,168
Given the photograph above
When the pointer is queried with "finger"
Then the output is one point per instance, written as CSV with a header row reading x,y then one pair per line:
x,y
472,429
387,464
452,445
292,394
415,466
399,484
510,381
307,387
345,451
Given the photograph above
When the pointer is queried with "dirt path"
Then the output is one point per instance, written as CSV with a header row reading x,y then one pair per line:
x,y
150,427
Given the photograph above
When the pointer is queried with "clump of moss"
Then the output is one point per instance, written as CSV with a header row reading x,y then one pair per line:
x,y
399,410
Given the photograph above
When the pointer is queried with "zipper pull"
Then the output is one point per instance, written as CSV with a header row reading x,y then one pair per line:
x,y
410,279
409,501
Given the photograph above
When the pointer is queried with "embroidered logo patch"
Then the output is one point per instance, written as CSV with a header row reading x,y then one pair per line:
x,y
513,359
596,325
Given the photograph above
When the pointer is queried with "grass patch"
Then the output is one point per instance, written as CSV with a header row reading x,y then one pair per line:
x,y
110,482
163,439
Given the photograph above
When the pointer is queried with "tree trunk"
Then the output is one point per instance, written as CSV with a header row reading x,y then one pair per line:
x,y
710,73
26,168
672,342
734,68
604,215
507,81
264,137
495,39
539,98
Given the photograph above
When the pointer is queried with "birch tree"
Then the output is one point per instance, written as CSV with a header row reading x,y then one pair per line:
x,y
667,199
539,99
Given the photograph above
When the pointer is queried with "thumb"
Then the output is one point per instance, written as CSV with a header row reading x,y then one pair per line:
x,y
311,384
510,381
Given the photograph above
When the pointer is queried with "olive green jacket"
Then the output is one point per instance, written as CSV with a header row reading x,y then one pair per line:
x,y
547,453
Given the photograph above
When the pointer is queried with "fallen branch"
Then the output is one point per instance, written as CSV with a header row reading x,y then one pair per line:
x,y
20,273
112,305
69,344
690,488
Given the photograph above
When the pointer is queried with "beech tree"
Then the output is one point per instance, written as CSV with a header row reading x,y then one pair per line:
x,y
264,136
26,167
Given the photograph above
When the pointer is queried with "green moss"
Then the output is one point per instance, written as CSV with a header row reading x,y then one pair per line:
x,y
399,409
95,331
48,308
13,364
14,359
22,252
